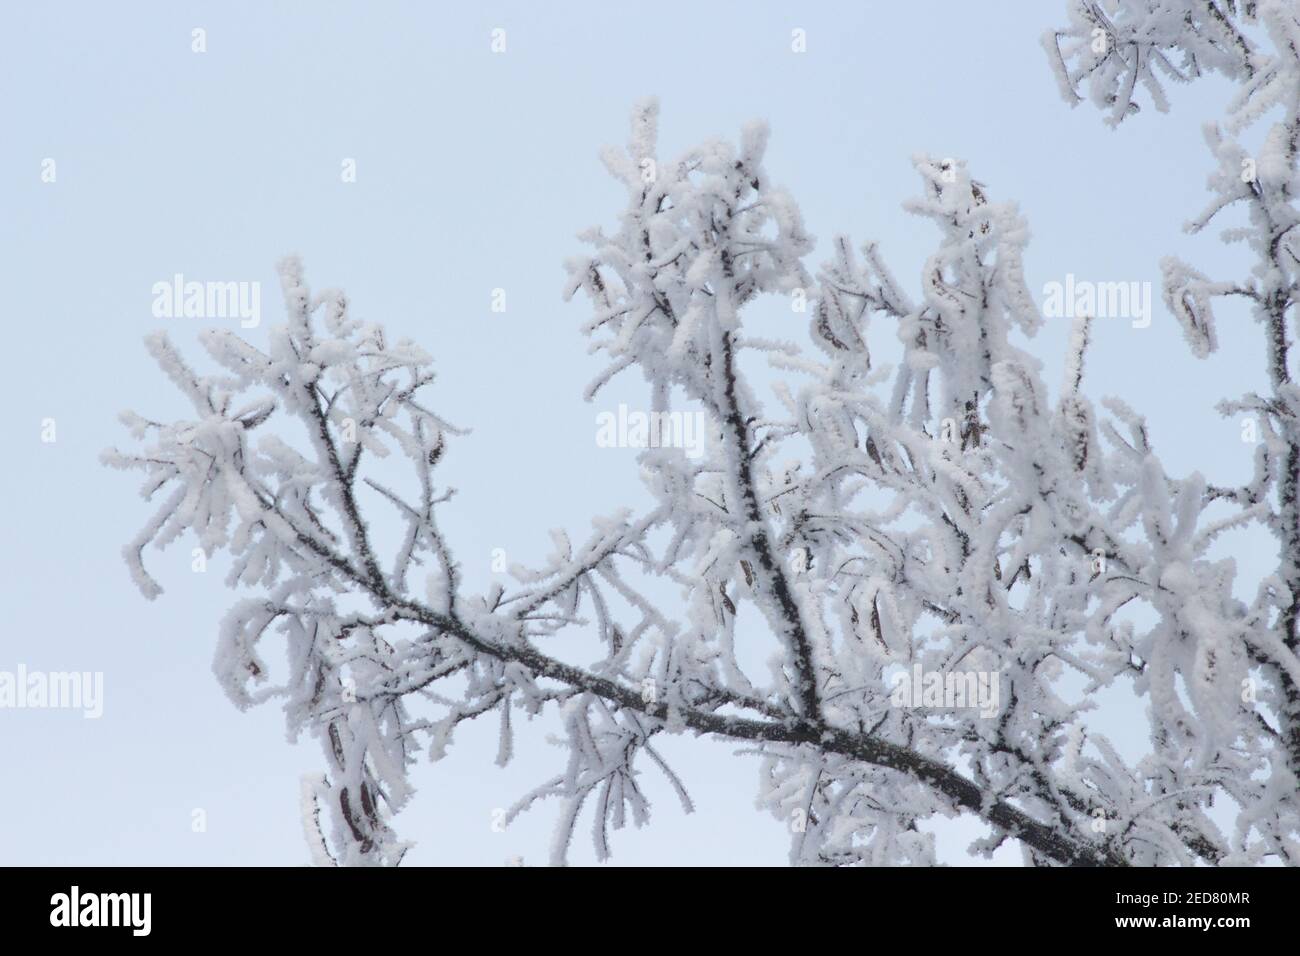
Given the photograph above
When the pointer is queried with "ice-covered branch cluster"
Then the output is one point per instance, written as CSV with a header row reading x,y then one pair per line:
x,y
1255,644
945,517
1112,46
291,519
848,535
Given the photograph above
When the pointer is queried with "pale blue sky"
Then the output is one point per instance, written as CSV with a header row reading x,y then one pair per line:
x,y
475,172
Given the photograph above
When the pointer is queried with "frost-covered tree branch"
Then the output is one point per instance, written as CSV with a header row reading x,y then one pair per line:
x,y
863,523
1112,46
1256,44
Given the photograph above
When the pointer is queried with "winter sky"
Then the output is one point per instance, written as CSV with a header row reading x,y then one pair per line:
x,y
474,172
